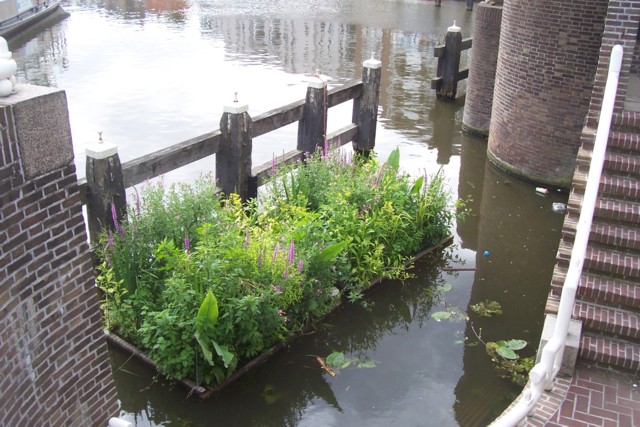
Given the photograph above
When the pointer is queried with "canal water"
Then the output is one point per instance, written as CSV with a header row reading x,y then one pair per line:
x,y
149,74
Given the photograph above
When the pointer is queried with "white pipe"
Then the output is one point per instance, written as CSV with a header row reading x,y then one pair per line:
x,y
543,373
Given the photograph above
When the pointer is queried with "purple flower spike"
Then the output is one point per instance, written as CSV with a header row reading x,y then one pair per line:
x,y
246,239
286,272
275,253
138,209
114,216
300,266
292,250
276,289
110,242
187,244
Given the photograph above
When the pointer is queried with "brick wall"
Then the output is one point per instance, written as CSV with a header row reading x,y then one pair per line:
x,y
546,65
621,27
482,69
54,364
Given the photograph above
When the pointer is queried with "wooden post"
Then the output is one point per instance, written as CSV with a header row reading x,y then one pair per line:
x,y
438,3
312,129
105,186
233,160
469,4
449,63
365,108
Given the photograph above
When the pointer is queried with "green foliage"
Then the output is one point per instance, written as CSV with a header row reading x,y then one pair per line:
x,y
506,349
507,362
487,308
338,360
204,284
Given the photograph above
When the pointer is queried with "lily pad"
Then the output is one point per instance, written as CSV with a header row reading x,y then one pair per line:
x,y
445,288
335,359
487,308
441,315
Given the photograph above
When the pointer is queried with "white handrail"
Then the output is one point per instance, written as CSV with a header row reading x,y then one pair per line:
x,y
543,373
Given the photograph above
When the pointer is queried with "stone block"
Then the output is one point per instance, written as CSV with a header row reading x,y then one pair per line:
x,y
42,128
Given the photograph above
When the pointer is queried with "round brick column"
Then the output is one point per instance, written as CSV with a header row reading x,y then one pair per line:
x,y
546,63
482,69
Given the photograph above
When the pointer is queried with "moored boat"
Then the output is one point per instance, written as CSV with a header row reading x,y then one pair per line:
x,y
17,15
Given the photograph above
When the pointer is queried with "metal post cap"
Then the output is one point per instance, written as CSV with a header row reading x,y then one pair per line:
x,y
454,28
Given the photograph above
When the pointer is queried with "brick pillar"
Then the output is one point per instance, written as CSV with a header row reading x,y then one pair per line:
x,y
482,69
546,64
55,367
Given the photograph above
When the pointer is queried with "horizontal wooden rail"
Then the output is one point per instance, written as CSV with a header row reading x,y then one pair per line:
x,y
338,138
107,180
466,44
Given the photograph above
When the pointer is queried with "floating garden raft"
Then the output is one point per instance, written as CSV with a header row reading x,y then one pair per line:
x,y
207,287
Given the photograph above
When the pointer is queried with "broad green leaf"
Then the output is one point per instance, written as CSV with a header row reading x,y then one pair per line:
x,y
394,160
209,308
335,359
441,315
445,288
417,186
329,253
507,353
223,351
516,344
204,346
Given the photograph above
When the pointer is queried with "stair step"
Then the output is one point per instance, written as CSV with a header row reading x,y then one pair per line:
x,y
607,261
608,320
627,119
608,208
619,141
611,351
605,233
616,163
604,290
615,186
624,141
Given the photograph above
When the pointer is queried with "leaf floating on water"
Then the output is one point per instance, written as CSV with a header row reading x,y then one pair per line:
x,y
487,308
445,288
270,394
366,363
338,360
515,344
507,353
441,315
335,359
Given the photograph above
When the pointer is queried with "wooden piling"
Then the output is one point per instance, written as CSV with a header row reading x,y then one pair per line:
x,y
105,186
450,64
233,160
312,129
365,108
469,4
448,73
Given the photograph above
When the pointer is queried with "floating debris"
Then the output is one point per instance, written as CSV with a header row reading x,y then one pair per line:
x,y
559,208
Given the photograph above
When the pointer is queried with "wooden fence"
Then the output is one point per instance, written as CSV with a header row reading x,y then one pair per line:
x,y
107,179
